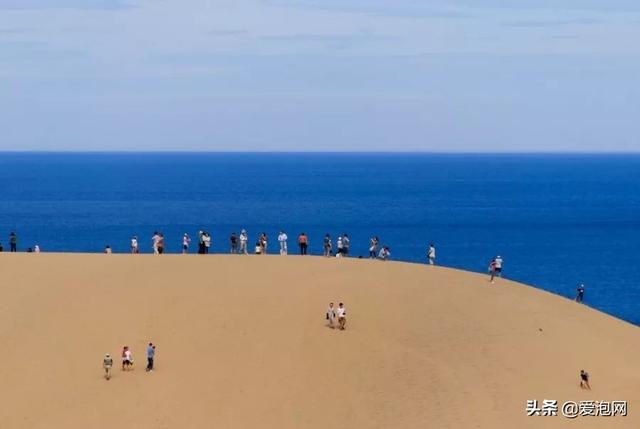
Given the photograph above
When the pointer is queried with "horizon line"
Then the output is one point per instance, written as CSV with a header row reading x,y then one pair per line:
x,y
278,152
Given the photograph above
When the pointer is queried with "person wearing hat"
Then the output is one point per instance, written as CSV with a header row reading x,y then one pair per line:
x,y
107,363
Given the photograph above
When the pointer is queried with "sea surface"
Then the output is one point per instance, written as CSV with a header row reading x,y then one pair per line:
x,y
556,220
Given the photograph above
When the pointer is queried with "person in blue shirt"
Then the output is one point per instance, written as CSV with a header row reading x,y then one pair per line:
x,y
151,352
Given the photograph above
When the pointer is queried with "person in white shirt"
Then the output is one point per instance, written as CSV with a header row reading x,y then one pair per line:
x,y
243,242
134,245
127,358
346,243
495,268
185,243
339,246
156,241
373,246
431,254
342,316
331,315
282,239
36,248
207,242
384,254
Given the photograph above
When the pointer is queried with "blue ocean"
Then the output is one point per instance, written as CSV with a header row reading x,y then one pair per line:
x,y
556,220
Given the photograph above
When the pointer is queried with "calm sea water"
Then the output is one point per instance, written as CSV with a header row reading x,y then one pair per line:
x,y
556,220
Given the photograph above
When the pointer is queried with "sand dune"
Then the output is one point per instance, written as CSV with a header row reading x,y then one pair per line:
x,y
242,343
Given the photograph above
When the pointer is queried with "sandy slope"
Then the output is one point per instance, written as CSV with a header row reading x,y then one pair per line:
x,y
242,344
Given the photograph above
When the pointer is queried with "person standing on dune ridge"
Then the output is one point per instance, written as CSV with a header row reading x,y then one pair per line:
x,y
263,243
155,240
233,241
431,254
580,293
346,243
326,245
13,242
495,268
282,239
186,240
373,246
244,238
303,243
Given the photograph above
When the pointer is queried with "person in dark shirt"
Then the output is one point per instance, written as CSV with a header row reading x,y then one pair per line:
x,y
13,242
233,240
584,379
580,293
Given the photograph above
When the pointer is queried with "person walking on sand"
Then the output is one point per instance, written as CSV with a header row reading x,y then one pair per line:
x,y
107,249
342,316
151,353
339,246
346,243
127,358
331,316
495,268
233,242
580,293
373,246
186,240
107,364
303,243
244,238
584,380
326,245
134,245
431,254
282,239
13,242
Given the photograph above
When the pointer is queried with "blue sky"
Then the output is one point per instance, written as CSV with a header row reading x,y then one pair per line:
x,y
320,75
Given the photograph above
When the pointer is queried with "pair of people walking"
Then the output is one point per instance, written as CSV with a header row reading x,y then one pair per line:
x,y
336,317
